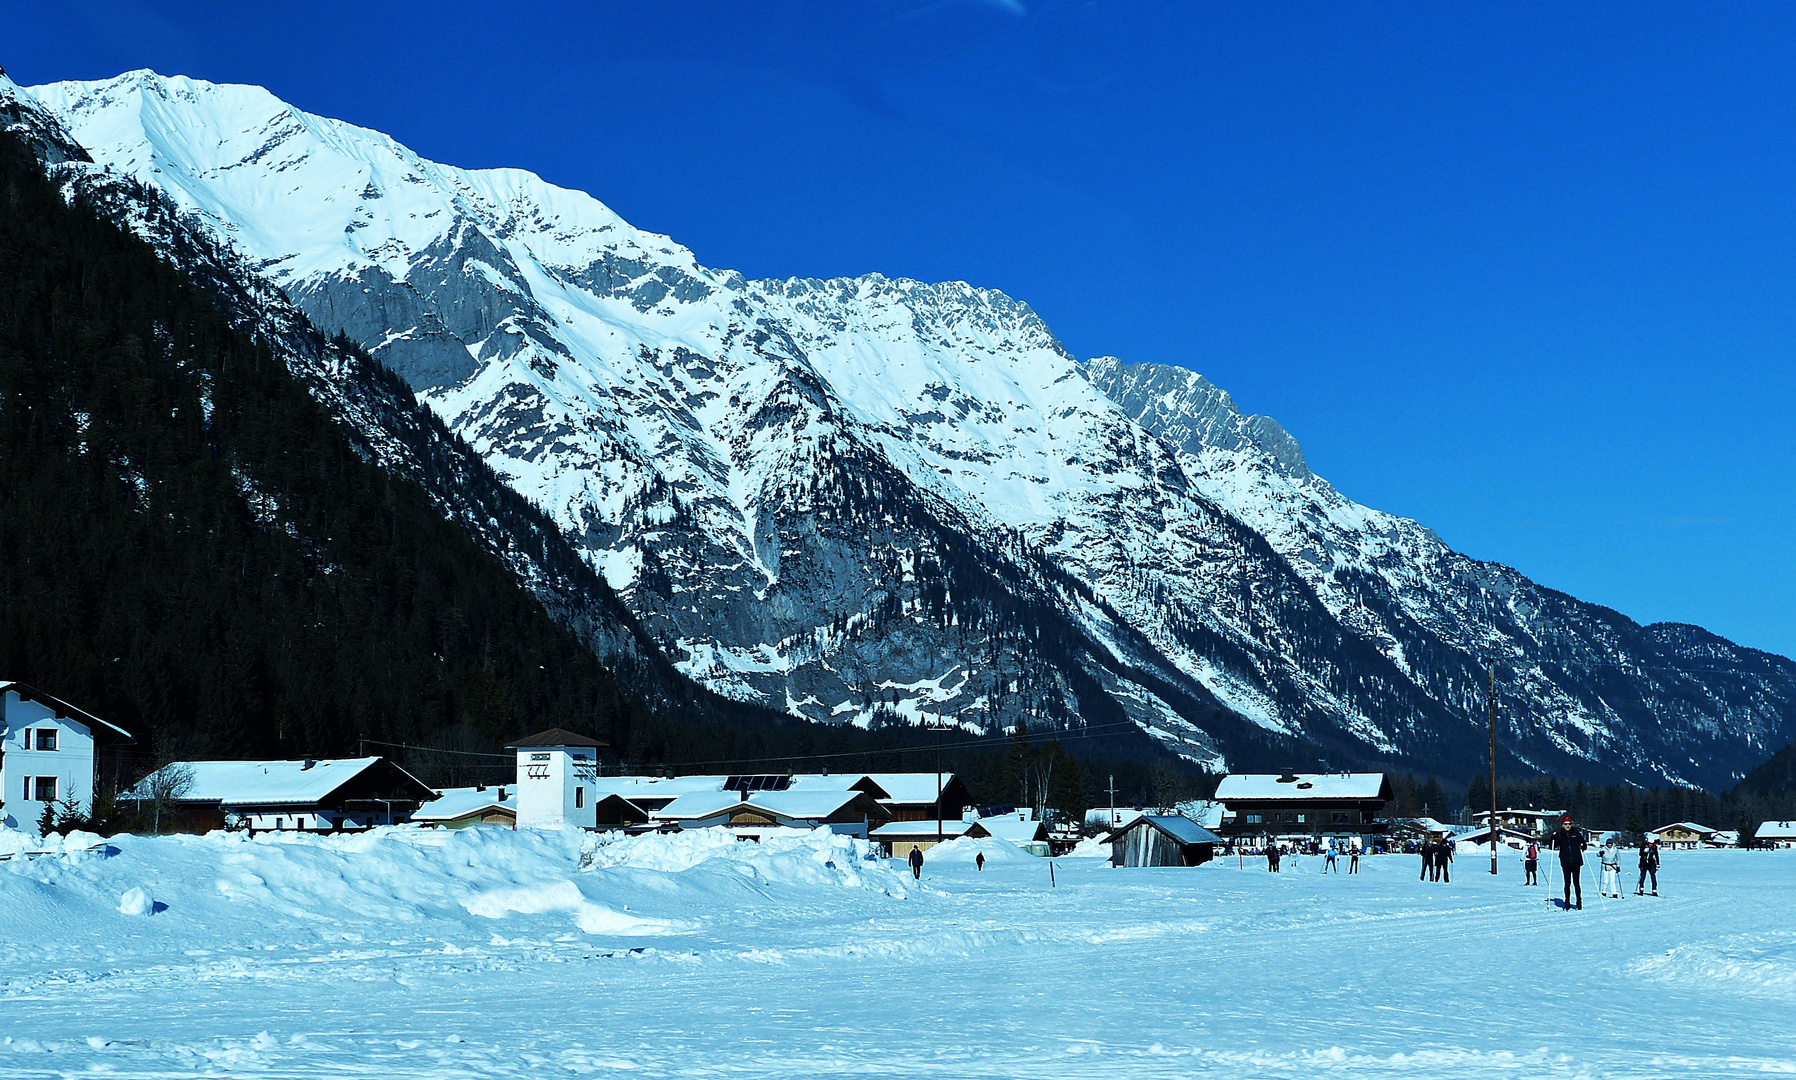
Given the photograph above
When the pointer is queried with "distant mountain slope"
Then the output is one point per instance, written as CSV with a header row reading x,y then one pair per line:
x,y
1671,699
878,500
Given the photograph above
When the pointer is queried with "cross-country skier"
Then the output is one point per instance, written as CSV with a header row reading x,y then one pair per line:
x,y
1443,858
1649,865
1427,857
1532,864
1611,871
916,863
1273,855
979,861
1328,861
1569,841
1353,859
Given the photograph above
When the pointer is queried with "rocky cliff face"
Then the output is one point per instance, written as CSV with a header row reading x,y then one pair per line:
x,y
875,500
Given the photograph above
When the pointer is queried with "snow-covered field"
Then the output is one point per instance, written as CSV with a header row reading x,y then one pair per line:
x,y
492,953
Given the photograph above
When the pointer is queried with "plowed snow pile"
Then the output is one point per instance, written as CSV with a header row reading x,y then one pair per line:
x,y
493,953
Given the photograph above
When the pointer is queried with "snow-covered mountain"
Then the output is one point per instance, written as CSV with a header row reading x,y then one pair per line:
x,y
874,500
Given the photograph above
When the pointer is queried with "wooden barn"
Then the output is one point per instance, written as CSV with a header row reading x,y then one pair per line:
x,y
1162,840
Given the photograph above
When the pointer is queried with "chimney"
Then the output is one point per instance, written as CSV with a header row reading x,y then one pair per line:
x,y
501,792
308,763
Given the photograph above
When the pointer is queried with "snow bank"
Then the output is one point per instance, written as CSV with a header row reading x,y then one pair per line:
x,y
463,885
14,842
962,849
783,856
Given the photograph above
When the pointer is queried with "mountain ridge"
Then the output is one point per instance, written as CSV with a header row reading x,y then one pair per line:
x,y
770,474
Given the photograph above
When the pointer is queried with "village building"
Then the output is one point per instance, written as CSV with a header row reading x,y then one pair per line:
x,y
898,839
48,755
459,808
912,796
1723,838
309,795
1162,840
1686,835
1020,829
1471,841
1775,834
1537,824
558,771
849,812
1304,806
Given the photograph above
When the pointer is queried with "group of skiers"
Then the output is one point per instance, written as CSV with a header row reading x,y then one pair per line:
x,y
1570,841
1437,859
1275,853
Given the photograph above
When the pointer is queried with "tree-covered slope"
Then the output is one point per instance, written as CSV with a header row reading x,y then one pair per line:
x,y
188,542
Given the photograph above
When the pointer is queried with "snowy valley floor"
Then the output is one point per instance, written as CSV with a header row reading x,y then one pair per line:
x,y
490,954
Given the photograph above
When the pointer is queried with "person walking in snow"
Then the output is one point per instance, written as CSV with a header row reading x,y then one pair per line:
x,y
916,863
1611,863
1649,864
1443,859
979,861
1532,864
1353,859
1569,841
1427,857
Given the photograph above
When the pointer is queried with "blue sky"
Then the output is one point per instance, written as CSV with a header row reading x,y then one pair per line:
x,y
1527,275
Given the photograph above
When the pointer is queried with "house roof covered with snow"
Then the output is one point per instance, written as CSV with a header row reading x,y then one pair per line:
x,y
1685,826
453,803
1776,830
264,783
94,724
910,830
1015,828
911,787
1247,787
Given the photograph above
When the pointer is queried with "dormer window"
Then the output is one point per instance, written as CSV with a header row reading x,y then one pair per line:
x,y
46,738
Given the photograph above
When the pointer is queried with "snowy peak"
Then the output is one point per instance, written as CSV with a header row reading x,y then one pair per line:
x,y
874,500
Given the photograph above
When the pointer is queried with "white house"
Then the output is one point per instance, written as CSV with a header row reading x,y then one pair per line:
x,y
1776,834
558,772
47,754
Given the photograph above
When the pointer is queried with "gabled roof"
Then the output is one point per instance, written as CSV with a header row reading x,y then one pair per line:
x,y
910,787
1688,826
452,803
1250,786
658,787
1017,830
839,782
804,805
1177,826
814,804
925,830
94,724
557,737
265,783
1776,830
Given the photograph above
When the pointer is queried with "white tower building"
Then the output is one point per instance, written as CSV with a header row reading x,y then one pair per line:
x,y
557,773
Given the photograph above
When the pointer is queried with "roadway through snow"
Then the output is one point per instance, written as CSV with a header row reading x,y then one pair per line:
x,y
454,957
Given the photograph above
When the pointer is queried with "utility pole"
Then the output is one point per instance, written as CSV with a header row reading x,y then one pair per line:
x,y
938,782
1493,769
1112,802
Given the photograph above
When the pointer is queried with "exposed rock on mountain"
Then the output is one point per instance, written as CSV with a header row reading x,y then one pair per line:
x,y
876,500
